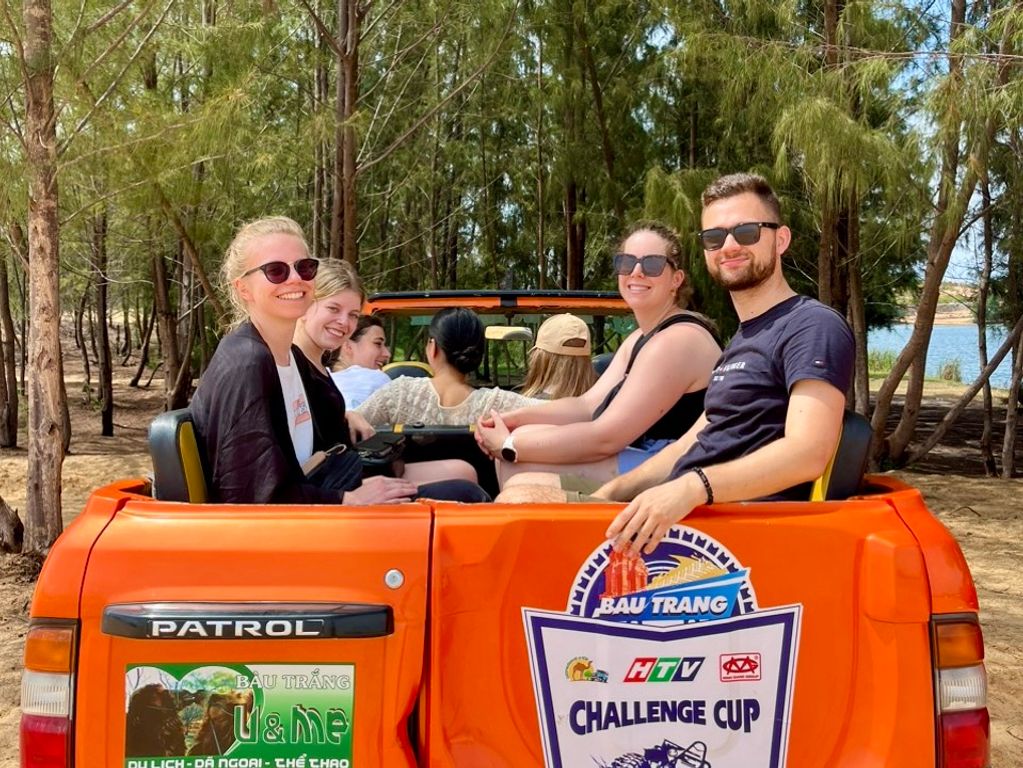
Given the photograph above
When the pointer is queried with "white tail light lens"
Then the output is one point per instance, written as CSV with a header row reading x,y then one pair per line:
x,y
45,693
962,689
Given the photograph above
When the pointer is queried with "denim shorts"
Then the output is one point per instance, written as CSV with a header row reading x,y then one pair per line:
x,y
634,455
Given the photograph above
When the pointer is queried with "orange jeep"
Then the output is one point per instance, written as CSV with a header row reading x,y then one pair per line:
x,y
167,632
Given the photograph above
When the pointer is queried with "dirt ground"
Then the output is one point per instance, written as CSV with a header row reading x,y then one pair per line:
x,y
985,515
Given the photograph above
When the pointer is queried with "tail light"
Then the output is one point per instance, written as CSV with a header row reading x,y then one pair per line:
x,y
47,689
965,734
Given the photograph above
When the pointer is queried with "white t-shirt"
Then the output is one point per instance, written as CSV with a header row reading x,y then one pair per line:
x,y
357,383
300,419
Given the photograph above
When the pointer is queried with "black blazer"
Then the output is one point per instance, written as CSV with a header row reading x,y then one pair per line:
x,y
241,421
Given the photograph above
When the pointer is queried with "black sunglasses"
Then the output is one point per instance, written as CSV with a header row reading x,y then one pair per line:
x,y
746,233
651,264
277,271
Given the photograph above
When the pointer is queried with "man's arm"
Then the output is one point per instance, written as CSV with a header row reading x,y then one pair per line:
x,y
813,425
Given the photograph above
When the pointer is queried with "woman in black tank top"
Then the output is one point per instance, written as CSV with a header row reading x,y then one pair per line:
x,y
650,394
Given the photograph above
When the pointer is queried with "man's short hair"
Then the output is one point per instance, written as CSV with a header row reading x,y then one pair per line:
x,y
739,183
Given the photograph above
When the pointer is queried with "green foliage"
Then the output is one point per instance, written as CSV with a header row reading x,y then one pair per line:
x,y
950,370
880,362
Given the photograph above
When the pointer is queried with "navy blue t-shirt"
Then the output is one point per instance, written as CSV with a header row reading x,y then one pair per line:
x,y
748,395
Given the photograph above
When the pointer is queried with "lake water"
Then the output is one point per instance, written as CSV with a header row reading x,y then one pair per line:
x,y
949,342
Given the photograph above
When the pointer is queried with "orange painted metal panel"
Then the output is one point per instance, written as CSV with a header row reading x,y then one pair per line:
x,y
951,586
863,682
63,571
154,552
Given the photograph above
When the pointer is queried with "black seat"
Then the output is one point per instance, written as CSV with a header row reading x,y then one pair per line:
x,y
178,473
412,368
844,474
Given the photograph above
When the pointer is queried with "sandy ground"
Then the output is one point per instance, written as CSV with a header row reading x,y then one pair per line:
x,y
985,515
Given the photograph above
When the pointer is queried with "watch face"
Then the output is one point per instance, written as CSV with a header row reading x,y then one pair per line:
x,y
509,454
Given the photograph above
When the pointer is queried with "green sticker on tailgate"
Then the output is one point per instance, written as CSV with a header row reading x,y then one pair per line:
x,y
239,715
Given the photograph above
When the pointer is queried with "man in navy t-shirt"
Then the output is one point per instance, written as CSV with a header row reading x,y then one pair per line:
x,y
773,412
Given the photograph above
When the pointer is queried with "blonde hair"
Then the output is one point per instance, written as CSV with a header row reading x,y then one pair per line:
x,y
334,276
235,257
558,375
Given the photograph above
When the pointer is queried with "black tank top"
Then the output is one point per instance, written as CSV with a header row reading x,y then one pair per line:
x,y
686,410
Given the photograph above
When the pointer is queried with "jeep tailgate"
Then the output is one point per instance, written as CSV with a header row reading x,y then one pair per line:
x,y
756,635
297,631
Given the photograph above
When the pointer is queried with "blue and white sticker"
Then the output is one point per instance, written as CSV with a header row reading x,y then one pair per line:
x,y
692,672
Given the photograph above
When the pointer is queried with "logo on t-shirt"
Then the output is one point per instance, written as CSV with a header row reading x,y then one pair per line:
x,y
301,410
718,374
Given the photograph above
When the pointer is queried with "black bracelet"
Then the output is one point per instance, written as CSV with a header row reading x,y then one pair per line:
x,y
706,483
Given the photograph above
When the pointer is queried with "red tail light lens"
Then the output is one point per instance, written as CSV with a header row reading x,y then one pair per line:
x,y
965,739
44,741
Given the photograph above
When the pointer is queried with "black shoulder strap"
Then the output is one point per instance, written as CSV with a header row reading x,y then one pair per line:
x,y
673,320
667,322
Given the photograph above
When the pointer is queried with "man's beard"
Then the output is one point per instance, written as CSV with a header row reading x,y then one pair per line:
x,y
755,273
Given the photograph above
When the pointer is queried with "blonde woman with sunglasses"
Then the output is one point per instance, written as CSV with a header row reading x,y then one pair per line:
x,y
649,395
251,411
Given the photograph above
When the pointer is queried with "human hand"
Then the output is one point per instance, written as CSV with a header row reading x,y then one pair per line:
x,y
358,427
482,423
381,490
647,519
491,434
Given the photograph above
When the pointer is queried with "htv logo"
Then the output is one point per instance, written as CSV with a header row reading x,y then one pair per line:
x,y
671,669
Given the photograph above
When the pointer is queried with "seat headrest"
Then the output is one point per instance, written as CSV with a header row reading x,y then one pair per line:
x,y
178,467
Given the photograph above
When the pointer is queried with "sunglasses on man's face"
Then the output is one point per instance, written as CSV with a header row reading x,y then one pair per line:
x,y
651,264
278,271
747,233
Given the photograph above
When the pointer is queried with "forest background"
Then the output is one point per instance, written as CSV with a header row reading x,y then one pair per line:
x,y
456,144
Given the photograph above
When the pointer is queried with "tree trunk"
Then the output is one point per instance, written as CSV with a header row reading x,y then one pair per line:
x,y
986,452
573,241
320,211
91,315
8,365
572,276
541,208
1012,412
605,135
344,229
1013,341
106,374
858,321
943,236
125,350
1015,289
190,250
45,411
82,344
177,397
144,350
11,529
167,325
351,95
21,281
